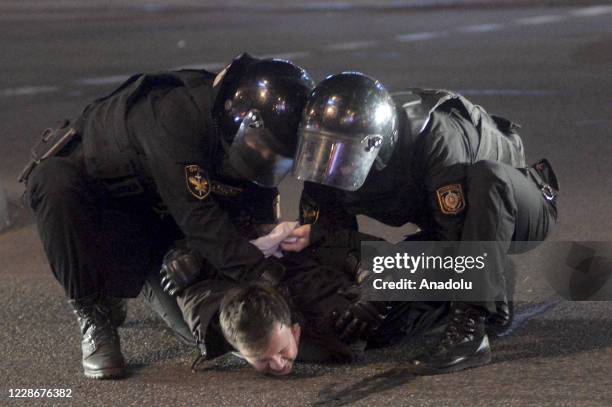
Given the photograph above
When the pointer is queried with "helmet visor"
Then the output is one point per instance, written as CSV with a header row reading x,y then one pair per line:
x,y
254,153
334,160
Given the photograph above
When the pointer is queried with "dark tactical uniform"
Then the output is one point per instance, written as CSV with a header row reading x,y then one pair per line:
x,y
143,173
455,131
314,288
452,174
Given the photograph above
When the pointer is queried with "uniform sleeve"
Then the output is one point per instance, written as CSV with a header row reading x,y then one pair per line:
x,y
174,153
262,204
446,198
447,147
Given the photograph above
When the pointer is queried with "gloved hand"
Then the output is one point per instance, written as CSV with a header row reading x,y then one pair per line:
x,y
360,318
180,268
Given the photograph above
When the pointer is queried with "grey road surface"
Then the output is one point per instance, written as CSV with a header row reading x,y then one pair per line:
x,y
547,68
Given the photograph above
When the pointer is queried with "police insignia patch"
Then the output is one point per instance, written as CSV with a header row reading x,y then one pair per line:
x,y
197,183
309,211
450,199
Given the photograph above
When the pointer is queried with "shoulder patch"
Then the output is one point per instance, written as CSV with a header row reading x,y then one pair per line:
x,y
197,183
451,199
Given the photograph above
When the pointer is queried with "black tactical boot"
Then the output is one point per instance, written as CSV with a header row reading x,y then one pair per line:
x,y
464,343
118,310
501,321
102,358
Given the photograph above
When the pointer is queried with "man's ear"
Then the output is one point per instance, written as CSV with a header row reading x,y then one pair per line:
x,y
296,330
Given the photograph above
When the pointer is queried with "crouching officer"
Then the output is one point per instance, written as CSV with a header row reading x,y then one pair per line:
x,y
426,157
164,157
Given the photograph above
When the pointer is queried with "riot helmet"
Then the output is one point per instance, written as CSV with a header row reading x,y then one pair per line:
x,y
258,109
349,124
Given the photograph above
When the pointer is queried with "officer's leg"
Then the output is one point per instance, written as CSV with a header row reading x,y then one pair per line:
x,y
67,213
492,217
502,203
507,207
536,216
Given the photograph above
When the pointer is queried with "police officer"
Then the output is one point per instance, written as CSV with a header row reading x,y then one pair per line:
x,y
177,155
428,157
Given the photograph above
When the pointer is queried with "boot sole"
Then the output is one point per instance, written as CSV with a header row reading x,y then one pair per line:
x,y
113,373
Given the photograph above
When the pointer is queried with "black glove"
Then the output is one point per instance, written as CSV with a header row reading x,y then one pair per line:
x,y
180,268
358,321
360,318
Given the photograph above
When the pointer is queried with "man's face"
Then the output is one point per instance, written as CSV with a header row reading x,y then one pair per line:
x,y
281,352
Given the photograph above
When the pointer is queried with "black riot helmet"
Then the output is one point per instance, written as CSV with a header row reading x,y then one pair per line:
x,y
258,109
349,124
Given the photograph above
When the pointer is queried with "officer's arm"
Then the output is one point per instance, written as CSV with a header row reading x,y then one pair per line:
x,y
446,199
175,155
262,205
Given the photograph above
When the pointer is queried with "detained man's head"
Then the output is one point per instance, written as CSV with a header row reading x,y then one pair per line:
x,y
256,320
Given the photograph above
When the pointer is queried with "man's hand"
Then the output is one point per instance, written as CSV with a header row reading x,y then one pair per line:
x,y
358,321
298,240
180,268
360,318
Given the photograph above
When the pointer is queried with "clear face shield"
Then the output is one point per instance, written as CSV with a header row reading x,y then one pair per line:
x,y
254,155
335,160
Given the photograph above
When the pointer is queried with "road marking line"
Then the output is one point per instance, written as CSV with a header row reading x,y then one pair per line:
x,y
553,18
420,36
286,55
591,11
480,28
350,46
346,46
103,80
592,122
28,90
506,92
208,66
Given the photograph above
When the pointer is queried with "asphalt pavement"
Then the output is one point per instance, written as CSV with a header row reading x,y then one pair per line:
x,y
546,67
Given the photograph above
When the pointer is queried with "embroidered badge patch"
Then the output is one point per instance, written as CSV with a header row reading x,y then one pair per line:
x,y
309,211
451,199
197,183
